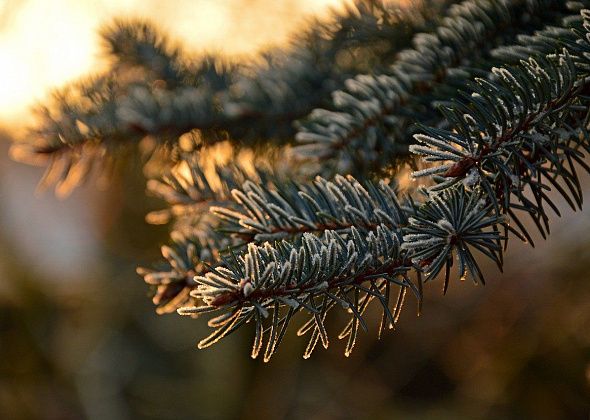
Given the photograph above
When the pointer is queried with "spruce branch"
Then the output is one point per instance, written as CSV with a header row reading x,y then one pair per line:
x,y
511,131
68,138
139,45
320,273
350,267
173,278
264,244
511,136
370,122
206,179
454,221
156,90
263,100
190,187
271,214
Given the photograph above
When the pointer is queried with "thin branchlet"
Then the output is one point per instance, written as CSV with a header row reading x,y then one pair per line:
x,y
271,214
312,277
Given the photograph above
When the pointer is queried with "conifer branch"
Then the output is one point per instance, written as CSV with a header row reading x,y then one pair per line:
x,y
314,276
326,266
510,132
156,90
140,46
454,221
272,214
513,135
173,278
253,245
370,123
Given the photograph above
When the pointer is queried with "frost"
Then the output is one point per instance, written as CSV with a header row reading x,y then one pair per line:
x,y
540,138
470,120
445,225
472,178
247,289
481,203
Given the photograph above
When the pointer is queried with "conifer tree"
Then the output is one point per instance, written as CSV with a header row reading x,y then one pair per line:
x,y
486,102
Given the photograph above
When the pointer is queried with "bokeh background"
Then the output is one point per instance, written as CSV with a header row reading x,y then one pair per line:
x,y
78,335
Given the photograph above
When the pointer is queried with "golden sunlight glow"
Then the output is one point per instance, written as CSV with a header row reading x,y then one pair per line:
x,y
46,43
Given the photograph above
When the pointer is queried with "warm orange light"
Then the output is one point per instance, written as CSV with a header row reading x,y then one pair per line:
x,y
44,44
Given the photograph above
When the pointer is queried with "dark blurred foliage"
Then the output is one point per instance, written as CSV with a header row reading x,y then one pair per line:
x,y
92,347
